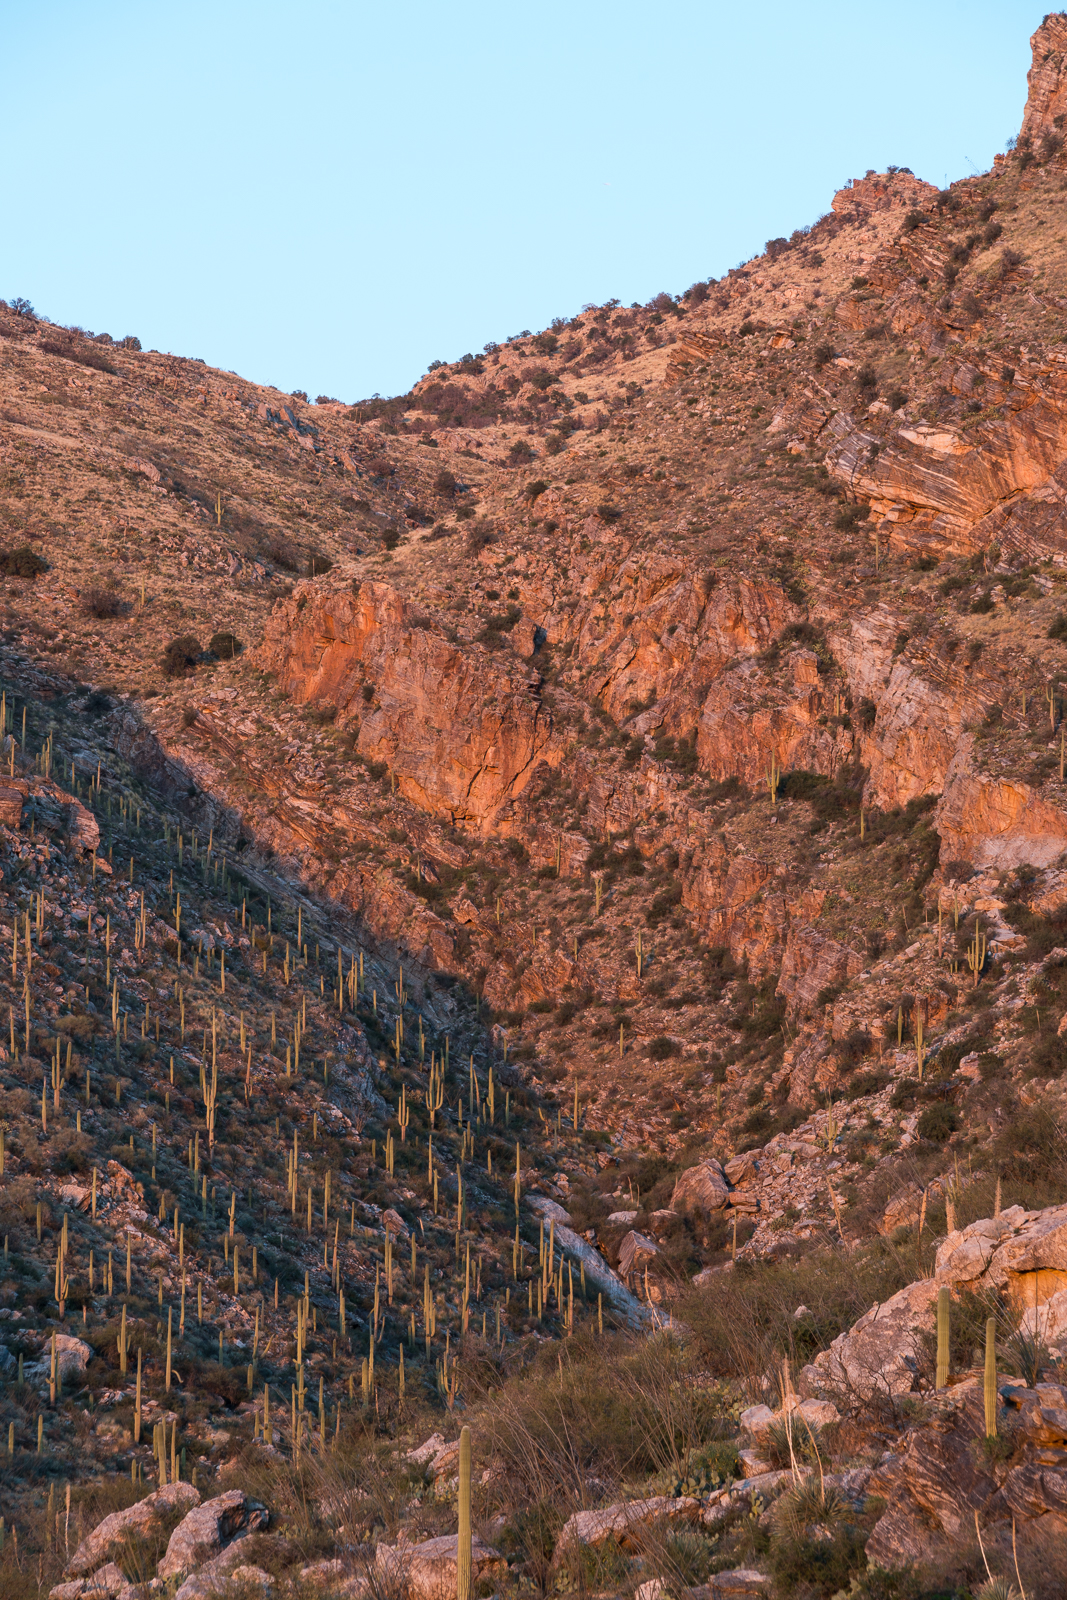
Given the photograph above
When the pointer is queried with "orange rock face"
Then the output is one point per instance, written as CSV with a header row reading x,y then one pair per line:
x,y
462,731
1046,100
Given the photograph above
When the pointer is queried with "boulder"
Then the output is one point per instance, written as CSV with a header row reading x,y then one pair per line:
x,y
138,1521
936,1486
107,1583
1048,1321
208,1529
742,1169
1032,1490
335,1580
427,1571
621,1522
739,1581
72,1358
83,829
903,1208
225,1577
1023,1251
635,1252
423,1454
816,1413
720,1501
702,1189
880,1353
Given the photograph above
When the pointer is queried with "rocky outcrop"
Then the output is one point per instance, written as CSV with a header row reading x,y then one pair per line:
x,y
1046,98
597,1272
461,728
624,1522
997,821
936,1483
935,1486
879,191
702,1189
1022,1252
880,1355
72,1357
208,1529
140,1521
427,1571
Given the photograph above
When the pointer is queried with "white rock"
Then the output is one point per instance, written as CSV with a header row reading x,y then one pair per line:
x,y
427,1571
756,1419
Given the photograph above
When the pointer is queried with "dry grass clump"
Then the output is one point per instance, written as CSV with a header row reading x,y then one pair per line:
x,y
103,602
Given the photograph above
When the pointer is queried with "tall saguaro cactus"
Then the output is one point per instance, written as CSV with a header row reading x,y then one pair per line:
x,y
942,1339
463,1549
991,1378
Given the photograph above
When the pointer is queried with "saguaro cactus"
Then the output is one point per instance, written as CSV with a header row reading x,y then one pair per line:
x,y
941,1378
991,1378
976,952
463,1549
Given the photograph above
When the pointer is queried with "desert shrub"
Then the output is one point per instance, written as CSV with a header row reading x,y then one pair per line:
x,y
77,352
938,1122
608,513
496,625
283,554
22,563
848,517
1030,1151
479,537
865,713
541,379
666,901
225,645
181,656
913,220
445,482
520,452
103,603
823,353
866,379
1009,260
660,1048
819,1563
1058,627
318,564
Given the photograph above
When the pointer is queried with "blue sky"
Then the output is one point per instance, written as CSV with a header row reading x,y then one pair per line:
x,y
329,196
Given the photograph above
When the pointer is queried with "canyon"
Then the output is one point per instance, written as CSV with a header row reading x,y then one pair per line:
x,y
652,730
